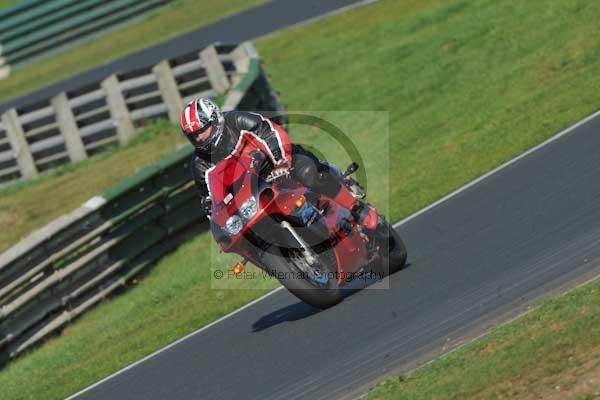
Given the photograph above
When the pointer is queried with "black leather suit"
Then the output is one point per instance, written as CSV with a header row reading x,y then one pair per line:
x,y
306,168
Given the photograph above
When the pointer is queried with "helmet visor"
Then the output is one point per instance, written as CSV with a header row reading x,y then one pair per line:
x,y
200,135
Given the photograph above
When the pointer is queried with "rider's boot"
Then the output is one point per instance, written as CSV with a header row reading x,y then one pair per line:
x,y
331,182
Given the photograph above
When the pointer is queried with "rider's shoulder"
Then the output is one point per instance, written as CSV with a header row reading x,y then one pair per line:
x,y
242,118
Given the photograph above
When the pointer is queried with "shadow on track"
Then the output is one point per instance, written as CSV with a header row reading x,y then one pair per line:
x,y
293,312
301,310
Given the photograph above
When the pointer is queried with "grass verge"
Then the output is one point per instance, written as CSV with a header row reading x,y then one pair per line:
x,y
67,187
158,25
7,3
551,353
466,86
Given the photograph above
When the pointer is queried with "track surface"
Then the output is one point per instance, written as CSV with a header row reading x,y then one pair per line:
x,y
246,25
476,259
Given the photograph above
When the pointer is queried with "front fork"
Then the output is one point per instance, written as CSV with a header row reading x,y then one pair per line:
x,y
310,255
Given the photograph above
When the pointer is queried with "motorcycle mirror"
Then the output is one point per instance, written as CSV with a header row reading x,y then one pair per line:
x,y
352,168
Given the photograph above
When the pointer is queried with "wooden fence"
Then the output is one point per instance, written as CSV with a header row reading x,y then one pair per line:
x,y
65,268
71,126
34,27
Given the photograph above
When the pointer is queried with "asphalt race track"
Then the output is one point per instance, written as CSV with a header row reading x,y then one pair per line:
x,y
245,25
476,259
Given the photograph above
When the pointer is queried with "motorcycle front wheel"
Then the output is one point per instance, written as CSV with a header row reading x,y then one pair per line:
x,y
316,285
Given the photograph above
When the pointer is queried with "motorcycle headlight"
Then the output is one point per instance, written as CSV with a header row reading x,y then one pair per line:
x,y
248,209
233,225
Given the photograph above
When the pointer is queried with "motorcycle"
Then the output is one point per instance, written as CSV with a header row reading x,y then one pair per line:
x,y
312,245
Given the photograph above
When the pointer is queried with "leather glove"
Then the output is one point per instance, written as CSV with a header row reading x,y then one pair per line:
x,y
281,168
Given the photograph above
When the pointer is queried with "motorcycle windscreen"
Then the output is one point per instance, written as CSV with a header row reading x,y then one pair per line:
x,y
225,178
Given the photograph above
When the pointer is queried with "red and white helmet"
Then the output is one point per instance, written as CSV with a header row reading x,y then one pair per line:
x,y
196,117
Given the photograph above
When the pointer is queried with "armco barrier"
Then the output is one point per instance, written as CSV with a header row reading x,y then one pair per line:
x,y
73,125
34,27
63,269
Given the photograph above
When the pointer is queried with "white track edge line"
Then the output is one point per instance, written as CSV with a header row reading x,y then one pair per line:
x,y
177,342
497,169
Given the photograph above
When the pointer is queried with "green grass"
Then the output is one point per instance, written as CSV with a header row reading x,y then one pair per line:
x,y
551,353
161,24
466,85
7,3
66,188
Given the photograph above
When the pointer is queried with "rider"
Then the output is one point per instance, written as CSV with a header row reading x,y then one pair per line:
x,y
215,135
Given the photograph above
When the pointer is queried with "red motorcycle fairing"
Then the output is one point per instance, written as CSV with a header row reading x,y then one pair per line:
x,y
236,179
350,248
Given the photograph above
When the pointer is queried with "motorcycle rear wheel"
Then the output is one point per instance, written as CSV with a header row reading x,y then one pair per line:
x,y
392,249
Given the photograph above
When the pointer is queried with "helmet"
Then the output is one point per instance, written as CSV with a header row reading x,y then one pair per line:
x,y
197,117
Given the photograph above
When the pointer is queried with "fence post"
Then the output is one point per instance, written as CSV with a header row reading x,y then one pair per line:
x,y
68,127
118,109
4,67
214,70
240,59
19,144
168,89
